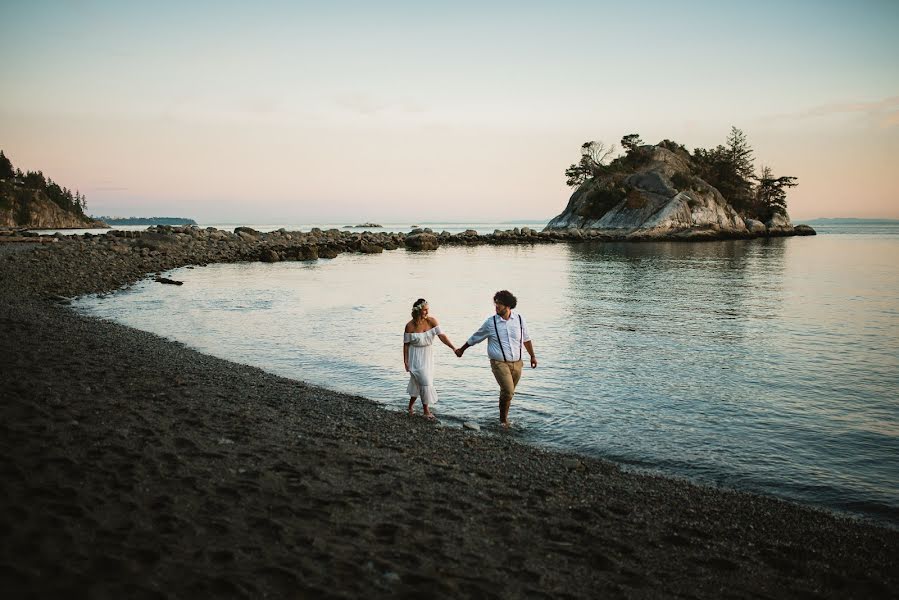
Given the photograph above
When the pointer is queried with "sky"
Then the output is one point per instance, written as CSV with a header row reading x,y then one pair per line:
x,y
414,111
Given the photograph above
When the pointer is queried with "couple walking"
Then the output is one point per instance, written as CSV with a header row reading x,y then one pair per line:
x,y
507,335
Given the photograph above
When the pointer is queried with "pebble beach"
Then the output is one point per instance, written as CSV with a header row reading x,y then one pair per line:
x,y
136,467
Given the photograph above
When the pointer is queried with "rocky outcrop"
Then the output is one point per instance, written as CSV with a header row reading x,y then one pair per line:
x,y
29,209
661,199
364,226
87,263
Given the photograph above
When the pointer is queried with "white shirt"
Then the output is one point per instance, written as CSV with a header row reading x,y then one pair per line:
x,y
510,340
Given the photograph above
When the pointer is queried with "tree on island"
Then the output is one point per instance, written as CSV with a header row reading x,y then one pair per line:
x,y
631,143
593,157
771,194
728,167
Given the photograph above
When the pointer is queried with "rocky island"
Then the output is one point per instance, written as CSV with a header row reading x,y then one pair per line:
x,y
364,226
661,191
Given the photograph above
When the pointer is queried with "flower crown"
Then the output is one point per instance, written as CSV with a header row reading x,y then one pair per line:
x,y
419,306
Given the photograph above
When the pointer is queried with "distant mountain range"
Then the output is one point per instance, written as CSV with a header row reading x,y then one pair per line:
x,y
147,220
849,221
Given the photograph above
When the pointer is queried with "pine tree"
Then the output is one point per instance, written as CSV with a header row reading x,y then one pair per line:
x,y
740,155
771,194
631,142
730,169
6,170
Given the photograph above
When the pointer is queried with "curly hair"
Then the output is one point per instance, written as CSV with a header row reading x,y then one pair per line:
x,y
505,298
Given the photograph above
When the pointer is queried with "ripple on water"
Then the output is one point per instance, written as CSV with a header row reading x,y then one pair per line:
x,y
770,365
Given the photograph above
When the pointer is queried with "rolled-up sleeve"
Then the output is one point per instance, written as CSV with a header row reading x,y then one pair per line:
x,y
481,334
525,336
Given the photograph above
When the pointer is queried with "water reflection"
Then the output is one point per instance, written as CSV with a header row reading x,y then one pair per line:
x,y
769,364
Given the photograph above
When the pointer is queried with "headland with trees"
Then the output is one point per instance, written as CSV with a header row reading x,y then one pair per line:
x,y
32,200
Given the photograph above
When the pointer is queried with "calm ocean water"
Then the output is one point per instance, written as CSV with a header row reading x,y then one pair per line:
x,y
452,227
764,365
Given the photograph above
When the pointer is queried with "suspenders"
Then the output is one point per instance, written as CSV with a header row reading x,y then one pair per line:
x,y
520,338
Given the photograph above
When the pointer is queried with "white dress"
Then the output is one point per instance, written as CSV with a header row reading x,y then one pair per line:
x,y
421,364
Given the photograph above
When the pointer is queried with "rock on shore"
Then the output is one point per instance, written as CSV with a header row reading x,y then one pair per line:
x,y
78,264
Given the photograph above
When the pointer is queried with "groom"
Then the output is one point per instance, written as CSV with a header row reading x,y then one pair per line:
x,y
507,334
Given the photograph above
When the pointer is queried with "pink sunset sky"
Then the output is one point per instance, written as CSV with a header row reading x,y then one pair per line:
x,y
400,111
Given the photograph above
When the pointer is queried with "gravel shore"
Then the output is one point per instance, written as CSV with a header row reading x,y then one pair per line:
x,y
134,467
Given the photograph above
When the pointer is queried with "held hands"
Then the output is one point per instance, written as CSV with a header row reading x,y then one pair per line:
x,y
459,352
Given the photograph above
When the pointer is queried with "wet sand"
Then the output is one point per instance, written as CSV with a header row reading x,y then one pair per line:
x,y
136,467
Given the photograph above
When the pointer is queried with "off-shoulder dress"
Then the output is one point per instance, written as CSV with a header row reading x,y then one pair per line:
x,y
421,364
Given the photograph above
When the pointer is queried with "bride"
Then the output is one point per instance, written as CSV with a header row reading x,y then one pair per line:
x,y
418,356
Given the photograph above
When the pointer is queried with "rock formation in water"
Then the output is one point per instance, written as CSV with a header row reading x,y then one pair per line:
x,y
662,197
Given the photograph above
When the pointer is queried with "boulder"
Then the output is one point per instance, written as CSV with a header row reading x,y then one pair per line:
x,y
779,223
655,182
270,256
422,241
755,227
369,248
248,231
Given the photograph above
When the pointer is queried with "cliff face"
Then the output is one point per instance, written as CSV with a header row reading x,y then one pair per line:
x,y
34,210
647,203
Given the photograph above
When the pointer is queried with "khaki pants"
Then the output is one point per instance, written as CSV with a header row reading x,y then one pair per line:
x,y
507,375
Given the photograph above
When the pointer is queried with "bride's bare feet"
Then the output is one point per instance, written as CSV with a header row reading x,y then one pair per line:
x,y
429,415
412,406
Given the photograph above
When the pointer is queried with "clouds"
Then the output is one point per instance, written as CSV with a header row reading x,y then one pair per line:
x,y
882,113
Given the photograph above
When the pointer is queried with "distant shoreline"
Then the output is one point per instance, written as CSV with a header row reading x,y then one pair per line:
x,y
848,221
147,220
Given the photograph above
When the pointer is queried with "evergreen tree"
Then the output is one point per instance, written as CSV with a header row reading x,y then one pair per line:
x,y
771,194
6,170
730,169
35,180
631,142
740,155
